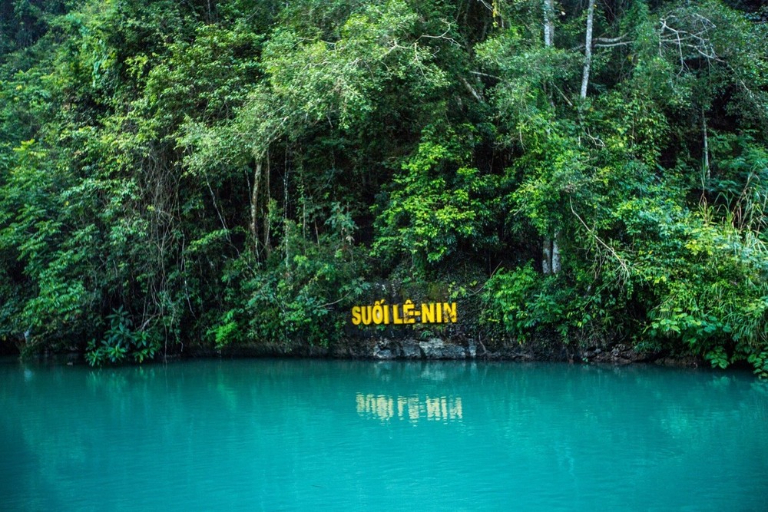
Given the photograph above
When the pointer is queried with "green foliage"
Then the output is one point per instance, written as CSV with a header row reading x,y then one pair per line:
x,y
437,204
506,298
521,305
234,172
714,299
121,341
303,296
760,362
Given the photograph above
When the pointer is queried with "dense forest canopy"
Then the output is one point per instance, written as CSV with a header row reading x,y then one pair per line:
x,y
228,172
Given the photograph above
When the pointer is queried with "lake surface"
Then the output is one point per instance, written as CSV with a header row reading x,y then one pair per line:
x,y
344,435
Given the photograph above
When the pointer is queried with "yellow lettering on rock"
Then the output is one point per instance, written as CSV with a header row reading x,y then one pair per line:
x,y
408,313
428,313
450,312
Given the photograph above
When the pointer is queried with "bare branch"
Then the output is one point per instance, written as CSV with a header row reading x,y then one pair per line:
x,y
695,39
563,95
485,75
443,36
613,45
611,40
622,263
486,5
471,89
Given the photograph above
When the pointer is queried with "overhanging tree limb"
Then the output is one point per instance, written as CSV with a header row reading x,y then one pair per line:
x,y
622,263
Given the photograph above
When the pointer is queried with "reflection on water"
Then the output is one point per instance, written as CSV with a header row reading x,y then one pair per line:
x,y
286,435
411,408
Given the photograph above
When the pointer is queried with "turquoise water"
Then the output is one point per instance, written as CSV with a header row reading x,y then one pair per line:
x,y
329,435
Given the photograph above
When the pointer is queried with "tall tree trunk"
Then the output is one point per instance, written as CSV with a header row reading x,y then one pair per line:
x,y
588,49
706,175
549,23
255,208
268,214
556,252
550,247
286,233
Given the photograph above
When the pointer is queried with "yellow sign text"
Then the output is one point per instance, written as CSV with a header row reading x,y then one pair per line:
x,y
404,314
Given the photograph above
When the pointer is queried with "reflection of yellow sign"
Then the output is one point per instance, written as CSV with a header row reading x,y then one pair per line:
x,y
411,408
381,313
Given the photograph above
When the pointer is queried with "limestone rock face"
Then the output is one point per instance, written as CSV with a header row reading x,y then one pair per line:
x,y
411,350
386,348
383,352
435,348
